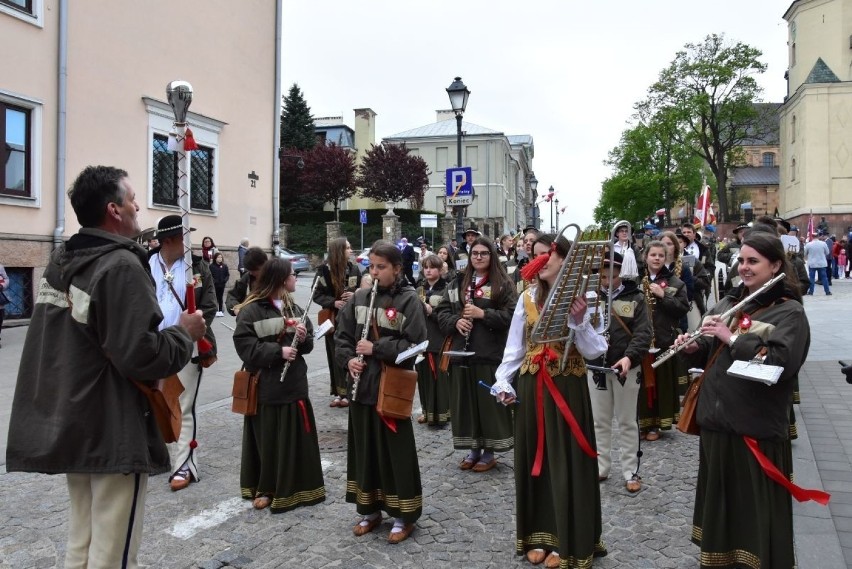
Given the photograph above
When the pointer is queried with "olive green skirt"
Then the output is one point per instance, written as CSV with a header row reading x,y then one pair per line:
x,y
382,472
337,374
281,458
433,387
479,421
559,510
742,518
664,409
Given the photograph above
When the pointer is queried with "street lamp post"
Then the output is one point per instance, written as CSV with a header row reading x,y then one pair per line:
x,y
534,205
458,94
557,215
550,194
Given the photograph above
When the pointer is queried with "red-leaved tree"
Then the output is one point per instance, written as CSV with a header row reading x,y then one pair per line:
x,y
389,173
329,175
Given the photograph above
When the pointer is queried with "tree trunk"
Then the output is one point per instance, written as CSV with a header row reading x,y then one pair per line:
x,y
722,194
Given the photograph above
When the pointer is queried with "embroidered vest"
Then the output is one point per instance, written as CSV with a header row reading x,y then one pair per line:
x,y
576,365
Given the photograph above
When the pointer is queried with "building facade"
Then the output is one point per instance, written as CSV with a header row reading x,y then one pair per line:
x,y
501,166
816,117
83,83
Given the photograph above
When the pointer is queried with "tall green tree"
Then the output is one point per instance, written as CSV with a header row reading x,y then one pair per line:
x,y
297,124
709,90
389,173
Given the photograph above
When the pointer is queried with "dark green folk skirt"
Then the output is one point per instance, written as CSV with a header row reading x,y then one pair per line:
x,y
479,421
281,458
434,389
336,373
559,510
382,473
742,518
664,410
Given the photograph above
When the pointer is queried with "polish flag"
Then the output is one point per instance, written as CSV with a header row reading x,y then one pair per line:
x,y
703,209
810,236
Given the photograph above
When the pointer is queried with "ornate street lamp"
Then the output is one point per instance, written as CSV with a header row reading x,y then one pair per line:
x,y
557,214
458,94
550,199
534,206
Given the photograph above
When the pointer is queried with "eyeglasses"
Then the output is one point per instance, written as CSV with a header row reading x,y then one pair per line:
x,y
480,254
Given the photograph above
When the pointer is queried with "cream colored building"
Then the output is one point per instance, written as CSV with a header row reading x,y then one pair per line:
x,y
816,118
501,165
84,82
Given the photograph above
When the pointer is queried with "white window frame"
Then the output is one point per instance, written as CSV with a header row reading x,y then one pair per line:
x,y
206,132
36,18
36,108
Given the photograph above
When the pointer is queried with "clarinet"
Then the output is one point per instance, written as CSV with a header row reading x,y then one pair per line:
x,y
302,321
724,316
357,377
470,301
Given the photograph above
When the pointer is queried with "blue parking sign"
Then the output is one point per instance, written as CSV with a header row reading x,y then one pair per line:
x,y
459,186
363,217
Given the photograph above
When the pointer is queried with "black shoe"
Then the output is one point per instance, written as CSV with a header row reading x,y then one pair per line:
x,y
828,294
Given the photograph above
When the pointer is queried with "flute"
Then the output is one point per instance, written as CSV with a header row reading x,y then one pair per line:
x,y
301,321
356,377
668,354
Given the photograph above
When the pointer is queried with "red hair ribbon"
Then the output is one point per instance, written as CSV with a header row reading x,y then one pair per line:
x,y
543,377
799,493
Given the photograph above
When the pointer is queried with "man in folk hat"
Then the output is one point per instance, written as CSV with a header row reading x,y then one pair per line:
x,y
76,409
469,237
615,396
168,269
731,251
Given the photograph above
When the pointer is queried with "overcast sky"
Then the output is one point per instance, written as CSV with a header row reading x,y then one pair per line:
x,y
567,73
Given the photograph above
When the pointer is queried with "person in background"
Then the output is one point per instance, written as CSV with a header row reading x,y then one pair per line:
x,y
241,253
526,255
433,384
253,262
447,256
168,270
208,249
743,514
408,258
76,410
557,494
338,279
382,472
816,256
280,466
221,275
4,300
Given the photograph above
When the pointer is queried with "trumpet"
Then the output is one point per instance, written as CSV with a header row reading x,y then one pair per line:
x,y
668,354
302,321
357,377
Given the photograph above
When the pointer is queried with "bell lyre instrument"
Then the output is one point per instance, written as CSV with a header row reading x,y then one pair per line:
x,y
579,273
668,354
356,377
302,321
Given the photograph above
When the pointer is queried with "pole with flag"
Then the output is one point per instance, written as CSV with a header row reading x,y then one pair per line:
x,y
702,207
810,236
179,94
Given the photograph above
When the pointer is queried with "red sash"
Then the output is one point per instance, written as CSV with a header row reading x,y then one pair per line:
x,y
799,493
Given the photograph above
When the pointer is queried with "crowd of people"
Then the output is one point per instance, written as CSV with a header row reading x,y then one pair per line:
x,y
475,307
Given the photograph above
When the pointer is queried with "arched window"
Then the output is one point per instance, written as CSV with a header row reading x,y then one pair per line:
x,y
768,160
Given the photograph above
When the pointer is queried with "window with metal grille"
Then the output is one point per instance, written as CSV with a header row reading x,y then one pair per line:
x,y
15,150
19,293
165,175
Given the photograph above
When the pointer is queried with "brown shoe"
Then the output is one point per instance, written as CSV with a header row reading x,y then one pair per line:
x,y
652,436
261,502
400,536
335,402
467,464
484,466
180,480
360,529
536,556
634,485
552,560
602,478
344,402
421,419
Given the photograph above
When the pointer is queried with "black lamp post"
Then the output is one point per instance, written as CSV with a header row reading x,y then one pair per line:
x,y
550,193
459,94
557,215
534,206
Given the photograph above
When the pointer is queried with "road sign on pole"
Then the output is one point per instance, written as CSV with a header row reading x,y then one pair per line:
x,y
428,220
459,186
363,217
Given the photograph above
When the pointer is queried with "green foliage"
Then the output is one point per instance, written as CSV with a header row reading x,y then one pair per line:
x,y
307,229
709,91
297,124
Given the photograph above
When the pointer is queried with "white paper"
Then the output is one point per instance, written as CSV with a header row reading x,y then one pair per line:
x,y
754,371
412,351
323,329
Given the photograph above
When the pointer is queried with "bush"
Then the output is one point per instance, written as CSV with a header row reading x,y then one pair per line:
x,y
307,229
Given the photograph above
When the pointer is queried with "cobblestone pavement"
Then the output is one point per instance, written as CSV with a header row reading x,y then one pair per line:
x,y
468,518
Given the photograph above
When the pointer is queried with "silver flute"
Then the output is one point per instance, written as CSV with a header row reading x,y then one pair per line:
x,y
356,377
302,321
668,354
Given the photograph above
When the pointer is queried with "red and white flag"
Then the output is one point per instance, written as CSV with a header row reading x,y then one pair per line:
x,y
810,236
703,209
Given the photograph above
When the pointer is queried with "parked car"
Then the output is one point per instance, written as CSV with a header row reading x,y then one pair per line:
x,y
298,260
363,259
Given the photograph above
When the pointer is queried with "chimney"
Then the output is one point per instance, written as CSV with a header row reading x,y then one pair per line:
x,y
365,132
445,114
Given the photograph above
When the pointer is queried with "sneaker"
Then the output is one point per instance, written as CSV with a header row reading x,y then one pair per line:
x,y
220,314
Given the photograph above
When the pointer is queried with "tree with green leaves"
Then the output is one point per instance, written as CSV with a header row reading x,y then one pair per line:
x,y
297,124
389,173
329,175
709,90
